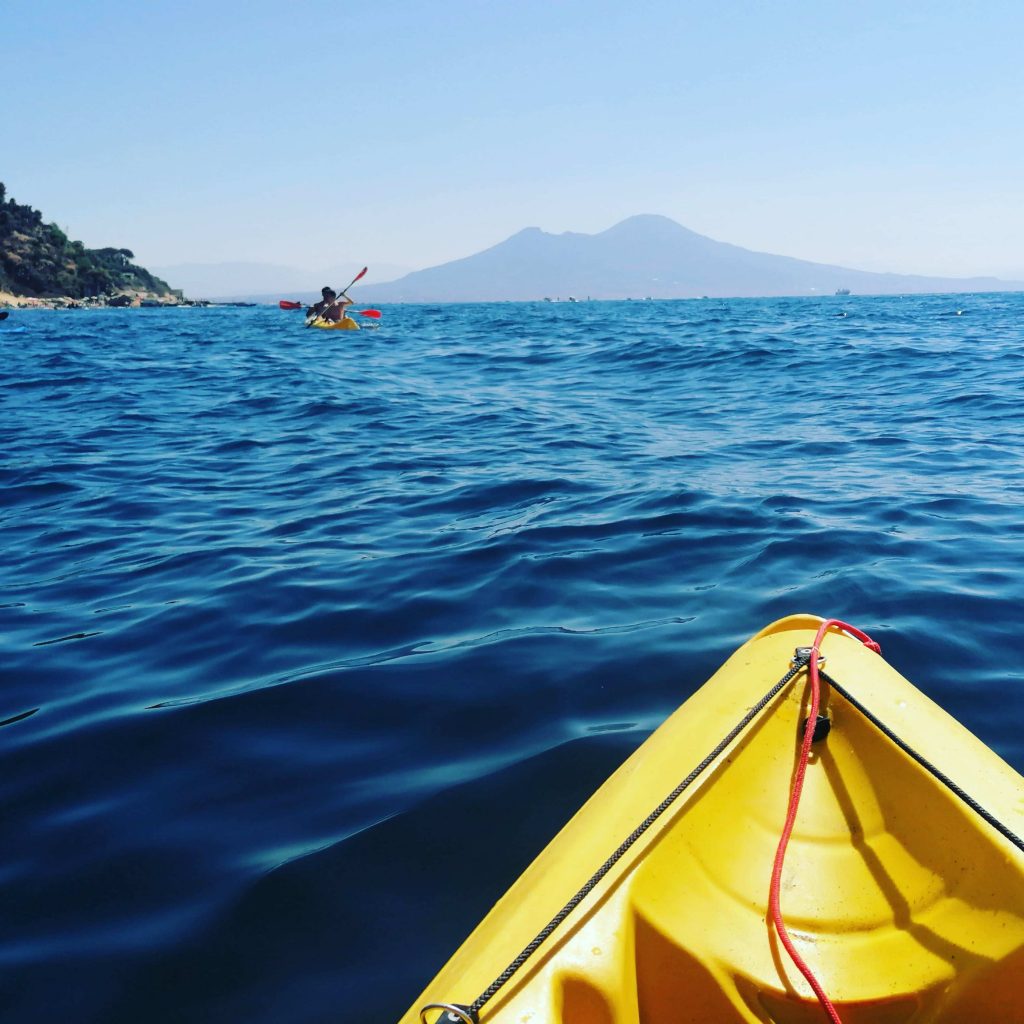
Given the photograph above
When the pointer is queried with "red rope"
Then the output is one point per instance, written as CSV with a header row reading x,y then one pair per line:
x,y
794,803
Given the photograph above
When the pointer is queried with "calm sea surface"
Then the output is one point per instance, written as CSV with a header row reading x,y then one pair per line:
x,y
310,641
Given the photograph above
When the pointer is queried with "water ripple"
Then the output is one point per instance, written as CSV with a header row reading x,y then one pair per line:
x,y
280,613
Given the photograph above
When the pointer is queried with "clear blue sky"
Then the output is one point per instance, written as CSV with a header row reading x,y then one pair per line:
x,y
874,135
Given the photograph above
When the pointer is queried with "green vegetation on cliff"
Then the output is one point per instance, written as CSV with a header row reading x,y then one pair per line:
x,y
38,259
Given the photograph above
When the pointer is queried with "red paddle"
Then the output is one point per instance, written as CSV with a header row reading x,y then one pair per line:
x,y
285,304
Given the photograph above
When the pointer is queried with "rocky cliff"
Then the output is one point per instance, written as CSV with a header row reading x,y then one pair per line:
x,y
39,261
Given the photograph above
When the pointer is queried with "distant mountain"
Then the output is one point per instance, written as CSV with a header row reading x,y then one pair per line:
x,y
267,282
644,256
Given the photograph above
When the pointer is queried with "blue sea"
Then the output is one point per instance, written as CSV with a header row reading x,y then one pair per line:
x,y
310,641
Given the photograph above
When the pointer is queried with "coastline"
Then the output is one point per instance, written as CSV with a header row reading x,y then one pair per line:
x,y
123,300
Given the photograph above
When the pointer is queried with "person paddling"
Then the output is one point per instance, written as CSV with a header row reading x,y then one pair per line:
x,y
329,307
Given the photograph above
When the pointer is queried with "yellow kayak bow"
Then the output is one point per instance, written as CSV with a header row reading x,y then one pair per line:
x,y
346,323
905,896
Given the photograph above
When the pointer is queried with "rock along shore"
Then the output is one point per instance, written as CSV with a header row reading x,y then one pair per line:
x,y
126,300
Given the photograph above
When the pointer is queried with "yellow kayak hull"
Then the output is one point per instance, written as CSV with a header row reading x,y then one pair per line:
x,y
346,323
907,905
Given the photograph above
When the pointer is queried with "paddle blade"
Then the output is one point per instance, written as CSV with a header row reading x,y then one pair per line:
x,y
285,304
375,313
344,291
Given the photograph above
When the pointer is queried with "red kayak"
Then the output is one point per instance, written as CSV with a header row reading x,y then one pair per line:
x,y
285,304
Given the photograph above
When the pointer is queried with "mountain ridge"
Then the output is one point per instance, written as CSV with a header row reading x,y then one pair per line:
x,y
646,255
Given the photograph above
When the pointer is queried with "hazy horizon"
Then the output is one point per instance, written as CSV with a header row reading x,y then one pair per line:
x,y
269,282
880,140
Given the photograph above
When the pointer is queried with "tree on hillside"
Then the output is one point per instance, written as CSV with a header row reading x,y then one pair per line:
x,y
39,259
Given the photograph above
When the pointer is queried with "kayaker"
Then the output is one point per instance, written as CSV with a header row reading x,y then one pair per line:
x,y
329,307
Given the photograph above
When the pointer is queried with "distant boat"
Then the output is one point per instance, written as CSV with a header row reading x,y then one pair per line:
x,y
842,291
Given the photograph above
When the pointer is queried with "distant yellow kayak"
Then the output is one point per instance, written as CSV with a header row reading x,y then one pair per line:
x,y
905,900
346,323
